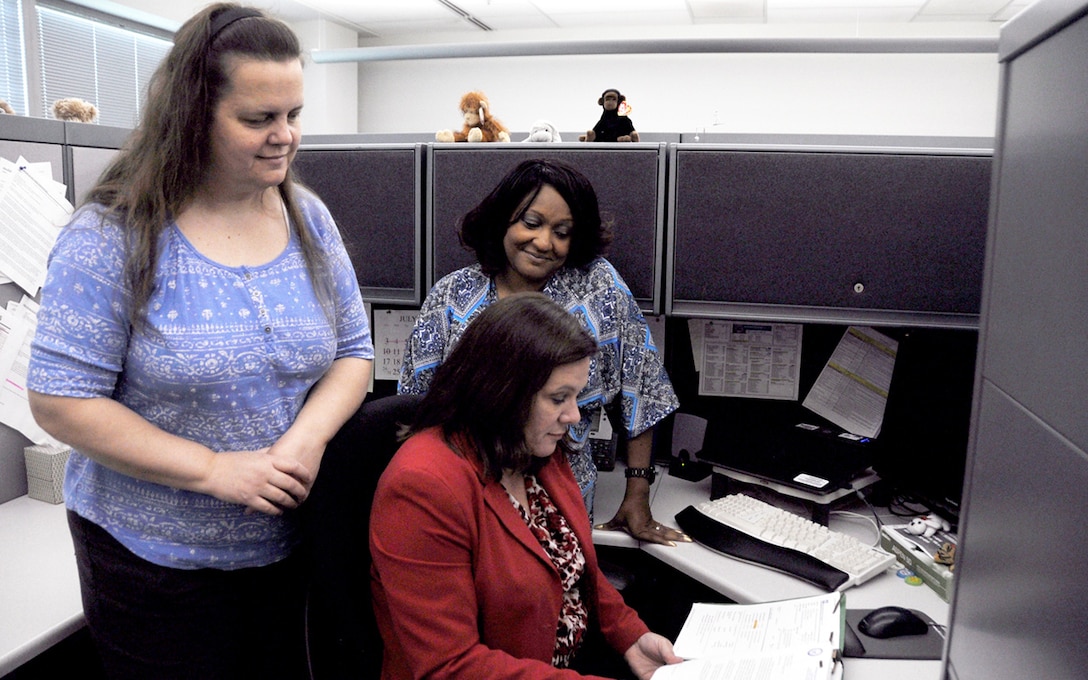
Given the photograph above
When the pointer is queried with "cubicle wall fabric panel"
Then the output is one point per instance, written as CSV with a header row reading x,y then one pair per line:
x,y
628,178
1039,252
89,149
896,232
374,194
87,164
1019,608
12,469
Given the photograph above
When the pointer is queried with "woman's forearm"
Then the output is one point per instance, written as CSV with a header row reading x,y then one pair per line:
x,y
122,440
331,402
267,480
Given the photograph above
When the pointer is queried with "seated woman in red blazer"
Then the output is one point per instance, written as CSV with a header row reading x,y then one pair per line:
x,y
483,559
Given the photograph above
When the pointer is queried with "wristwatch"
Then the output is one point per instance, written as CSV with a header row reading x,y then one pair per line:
x,y
647,473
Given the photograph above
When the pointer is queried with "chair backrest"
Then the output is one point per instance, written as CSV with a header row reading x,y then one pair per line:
x,y
341,633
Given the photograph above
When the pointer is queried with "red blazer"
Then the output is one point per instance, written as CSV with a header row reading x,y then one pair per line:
x,y
461,587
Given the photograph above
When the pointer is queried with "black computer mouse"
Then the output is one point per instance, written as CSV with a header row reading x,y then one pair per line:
x,y
890,622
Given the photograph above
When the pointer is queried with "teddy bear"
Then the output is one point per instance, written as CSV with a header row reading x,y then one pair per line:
x,y
6,108
614,125
480,125
75,110
543,131
927,525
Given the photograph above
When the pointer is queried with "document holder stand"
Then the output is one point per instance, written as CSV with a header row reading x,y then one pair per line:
x,y
725,481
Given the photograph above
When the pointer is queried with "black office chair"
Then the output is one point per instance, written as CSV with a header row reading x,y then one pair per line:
x,y
342,636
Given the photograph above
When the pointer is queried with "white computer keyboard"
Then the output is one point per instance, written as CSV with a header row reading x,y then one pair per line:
x,y
787,530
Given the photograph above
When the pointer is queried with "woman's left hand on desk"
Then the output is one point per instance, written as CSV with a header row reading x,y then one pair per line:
x,y
634,517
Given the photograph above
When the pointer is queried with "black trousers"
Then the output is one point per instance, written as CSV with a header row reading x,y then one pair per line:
x,y
156,623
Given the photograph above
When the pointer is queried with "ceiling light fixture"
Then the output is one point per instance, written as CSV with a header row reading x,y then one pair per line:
x,y
464,15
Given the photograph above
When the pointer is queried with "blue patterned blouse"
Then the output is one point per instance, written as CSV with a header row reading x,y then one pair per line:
x,y
227,359
627,363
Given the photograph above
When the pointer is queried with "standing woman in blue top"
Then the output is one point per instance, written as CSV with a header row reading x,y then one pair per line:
x,y
540,230
201,338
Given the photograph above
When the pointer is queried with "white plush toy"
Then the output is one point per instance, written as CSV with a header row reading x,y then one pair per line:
x,y
927,525
543,131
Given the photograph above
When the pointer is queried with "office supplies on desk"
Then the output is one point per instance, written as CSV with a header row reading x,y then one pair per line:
x,y
45,471
926,644
749,529
789,639
919,554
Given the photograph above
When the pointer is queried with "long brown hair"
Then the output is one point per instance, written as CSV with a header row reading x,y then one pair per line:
x,y
164,161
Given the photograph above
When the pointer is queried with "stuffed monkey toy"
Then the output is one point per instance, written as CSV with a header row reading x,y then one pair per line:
x,y
480,125
612,127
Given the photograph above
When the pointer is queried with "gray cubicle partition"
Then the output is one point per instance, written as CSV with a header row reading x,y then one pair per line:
x,y
37,140
1020,608
355,138
629,180
89,149
842,235
796,141
374,193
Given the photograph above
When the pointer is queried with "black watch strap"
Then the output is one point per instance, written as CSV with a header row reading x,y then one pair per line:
x,y
647,473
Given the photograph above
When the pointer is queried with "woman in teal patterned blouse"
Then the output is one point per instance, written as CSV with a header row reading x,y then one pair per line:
x,y
540,230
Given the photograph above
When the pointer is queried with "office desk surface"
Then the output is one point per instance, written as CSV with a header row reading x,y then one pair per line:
x,y
39,588
40,601
749,583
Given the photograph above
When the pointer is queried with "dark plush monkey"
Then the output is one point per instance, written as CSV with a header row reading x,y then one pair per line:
x,y
612,127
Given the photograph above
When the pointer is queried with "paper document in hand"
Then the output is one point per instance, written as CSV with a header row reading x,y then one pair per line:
x,y
799,638
852,389
787,667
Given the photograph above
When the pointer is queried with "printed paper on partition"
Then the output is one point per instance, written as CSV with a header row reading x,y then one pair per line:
x,y
749,359
34,211
392,328
852,389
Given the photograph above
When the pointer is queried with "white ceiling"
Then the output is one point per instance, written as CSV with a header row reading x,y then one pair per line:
x,y
393,21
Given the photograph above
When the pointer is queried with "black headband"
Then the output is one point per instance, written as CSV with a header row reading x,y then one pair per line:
x,y
228,16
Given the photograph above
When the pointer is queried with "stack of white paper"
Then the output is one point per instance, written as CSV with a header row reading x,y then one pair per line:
x,y
17,324
799,639
34,209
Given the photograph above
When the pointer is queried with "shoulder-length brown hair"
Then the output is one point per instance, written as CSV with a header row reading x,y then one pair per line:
x,y
165,159
484,227
484,390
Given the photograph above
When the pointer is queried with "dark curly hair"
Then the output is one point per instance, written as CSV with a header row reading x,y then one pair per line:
x,y
484,227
